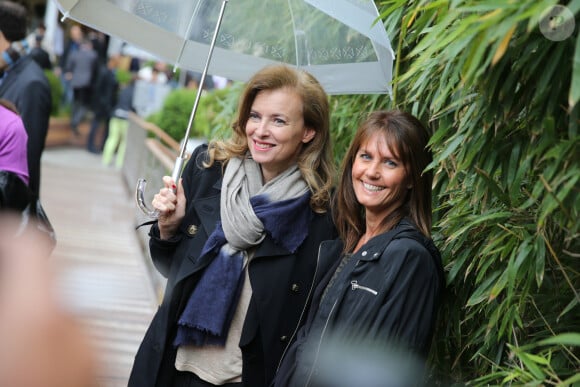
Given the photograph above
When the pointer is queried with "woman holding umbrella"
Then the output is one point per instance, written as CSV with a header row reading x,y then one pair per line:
x,y
237,238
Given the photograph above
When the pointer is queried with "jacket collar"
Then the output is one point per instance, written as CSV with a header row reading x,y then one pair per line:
x,y
375,247
11,74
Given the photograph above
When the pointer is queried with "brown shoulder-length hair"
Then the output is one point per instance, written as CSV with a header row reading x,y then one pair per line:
x,y
408,139
9,105
315,160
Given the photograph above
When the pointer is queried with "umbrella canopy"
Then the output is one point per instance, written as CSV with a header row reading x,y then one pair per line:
x,y
337,41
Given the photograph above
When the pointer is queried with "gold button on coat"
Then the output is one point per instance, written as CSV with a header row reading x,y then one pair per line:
x,y
295,288
192,229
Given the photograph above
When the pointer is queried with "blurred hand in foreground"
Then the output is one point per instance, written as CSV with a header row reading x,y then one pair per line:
x,y
43,344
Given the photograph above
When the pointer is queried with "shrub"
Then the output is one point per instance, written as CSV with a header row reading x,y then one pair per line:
x,y
123,76
212,115
56,91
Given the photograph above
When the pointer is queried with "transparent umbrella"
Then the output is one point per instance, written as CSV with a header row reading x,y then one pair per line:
x,y
341,42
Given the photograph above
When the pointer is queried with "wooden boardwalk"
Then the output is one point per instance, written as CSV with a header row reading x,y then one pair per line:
x,y
103,274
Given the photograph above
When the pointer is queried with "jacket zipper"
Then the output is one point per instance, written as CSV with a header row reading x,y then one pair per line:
x,y
354,286
320,344
324,332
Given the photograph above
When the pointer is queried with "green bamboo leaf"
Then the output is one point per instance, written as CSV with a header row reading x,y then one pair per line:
x,y
575,86
498,287
482,218
503,45
540,255
538,359
514,162
571,338
551,70
515,189
523,252
481,293
451,147
570,180
571,306
531,365
571,381
507,320
457,264
492,186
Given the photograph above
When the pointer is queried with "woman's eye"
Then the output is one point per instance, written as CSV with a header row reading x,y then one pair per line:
x,y
391,163
365,156
279,121
254,116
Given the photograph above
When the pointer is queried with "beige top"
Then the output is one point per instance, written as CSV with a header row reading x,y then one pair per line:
x,y
215,364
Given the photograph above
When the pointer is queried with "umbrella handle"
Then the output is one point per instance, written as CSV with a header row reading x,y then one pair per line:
x,y
142,183
140,199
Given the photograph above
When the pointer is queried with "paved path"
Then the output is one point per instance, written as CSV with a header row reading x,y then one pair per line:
x,y
103,274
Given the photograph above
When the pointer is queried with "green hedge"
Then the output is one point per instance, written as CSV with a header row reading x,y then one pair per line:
x,y
213,116
56,92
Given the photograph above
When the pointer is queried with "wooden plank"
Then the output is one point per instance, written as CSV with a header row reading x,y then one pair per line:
x,y
102,272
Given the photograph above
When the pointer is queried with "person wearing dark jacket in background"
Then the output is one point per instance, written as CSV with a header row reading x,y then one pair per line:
x,y
81,69
386,286
23,83
39,54
105,97
238,238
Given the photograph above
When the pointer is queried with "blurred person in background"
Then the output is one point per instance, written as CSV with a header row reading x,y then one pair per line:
x,y
23,83
72,43
106,89
116,141
81,69
38,53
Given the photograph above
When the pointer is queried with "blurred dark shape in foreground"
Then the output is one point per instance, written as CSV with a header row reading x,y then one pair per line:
x,y
345,360
43,343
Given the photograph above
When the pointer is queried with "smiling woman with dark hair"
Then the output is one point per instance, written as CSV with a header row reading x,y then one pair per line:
x,y
387,283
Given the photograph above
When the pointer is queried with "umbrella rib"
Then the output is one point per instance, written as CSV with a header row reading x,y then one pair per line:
x,y
297,61
186,37
67,13
180,159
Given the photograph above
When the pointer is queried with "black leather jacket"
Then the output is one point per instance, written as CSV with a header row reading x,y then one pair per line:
x,y
387,295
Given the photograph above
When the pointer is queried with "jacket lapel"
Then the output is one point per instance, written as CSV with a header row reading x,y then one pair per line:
x,y
208,212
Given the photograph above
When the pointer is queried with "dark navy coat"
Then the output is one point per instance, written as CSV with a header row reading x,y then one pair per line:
x,y
282,285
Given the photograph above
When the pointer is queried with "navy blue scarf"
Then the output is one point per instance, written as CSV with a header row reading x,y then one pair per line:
x,y
209,311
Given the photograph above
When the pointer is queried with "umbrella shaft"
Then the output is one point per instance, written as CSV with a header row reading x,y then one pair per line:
x,y
202,80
